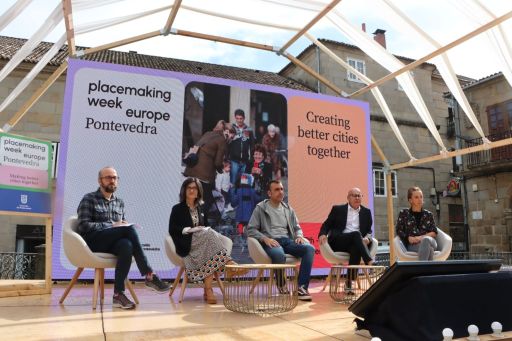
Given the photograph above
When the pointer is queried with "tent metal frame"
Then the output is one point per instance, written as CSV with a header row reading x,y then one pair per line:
x,y
169,29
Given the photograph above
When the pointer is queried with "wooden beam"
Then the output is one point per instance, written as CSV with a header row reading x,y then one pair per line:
x,y
391,223
26,214
70,30
172,16
48,255
379,151
181,33
313,73
36,95
389,200
454,153
224,40
436,53
319,16
122,42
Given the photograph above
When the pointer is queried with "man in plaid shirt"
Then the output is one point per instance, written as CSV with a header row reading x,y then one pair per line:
x,y
103,226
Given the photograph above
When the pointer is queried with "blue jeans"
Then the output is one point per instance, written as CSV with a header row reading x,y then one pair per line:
x,y
237,168
304,251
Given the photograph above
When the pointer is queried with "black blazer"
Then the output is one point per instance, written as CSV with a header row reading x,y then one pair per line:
x,y
181,218
336,222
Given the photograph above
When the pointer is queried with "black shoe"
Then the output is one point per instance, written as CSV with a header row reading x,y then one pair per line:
x,y
348,288
303,294
283,290
349,291
156,284
121,301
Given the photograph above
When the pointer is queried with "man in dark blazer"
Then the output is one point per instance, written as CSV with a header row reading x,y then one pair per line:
x,y
348,228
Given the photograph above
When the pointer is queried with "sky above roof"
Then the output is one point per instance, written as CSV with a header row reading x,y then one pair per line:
x,y
439,18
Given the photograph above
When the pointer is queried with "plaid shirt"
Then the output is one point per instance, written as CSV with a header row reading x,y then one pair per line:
x,y
95,213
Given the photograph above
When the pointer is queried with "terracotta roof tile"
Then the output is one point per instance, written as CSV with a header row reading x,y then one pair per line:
x,y
483,80
9,46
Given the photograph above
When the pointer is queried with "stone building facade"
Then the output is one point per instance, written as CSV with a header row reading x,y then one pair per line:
x,y
486,176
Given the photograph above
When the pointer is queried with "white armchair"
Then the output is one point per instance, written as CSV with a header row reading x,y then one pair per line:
x,y
444,247
339,258
81,256
170,250
259,256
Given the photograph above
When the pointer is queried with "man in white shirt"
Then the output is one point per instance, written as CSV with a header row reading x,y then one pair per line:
x,y
348,228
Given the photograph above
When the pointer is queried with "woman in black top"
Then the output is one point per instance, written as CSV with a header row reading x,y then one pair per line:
x,y
200,246
416,226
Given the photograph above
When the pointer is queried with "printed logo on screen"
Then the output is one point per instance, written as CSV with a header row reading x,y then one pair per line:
x,y
24,199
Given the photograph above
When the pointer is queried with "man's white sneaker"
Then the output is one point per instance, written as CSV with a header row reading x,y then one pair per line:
x,y
303,294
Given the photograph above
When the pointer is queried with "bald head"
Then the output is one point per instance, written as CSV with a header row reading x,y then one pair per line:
x,y
106,169
108,179
354,197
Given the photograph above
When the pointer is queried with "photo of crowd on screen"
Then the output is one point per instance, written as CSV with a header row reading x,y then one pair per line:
x,y
235,142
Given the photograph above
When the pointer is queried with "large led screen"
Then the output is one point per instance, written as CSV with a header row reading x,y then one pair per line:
x,y
144,121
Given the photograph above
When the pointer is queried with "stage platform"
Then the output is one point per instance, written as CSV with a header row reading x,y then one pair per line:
x,y
158,317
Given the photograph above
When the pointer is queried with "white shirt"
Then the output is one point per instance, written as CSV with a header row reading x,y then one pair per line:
x,y
352,220
222,182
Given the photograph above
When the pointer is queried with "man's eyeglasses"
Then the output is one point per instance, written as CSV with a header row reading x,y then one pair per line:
x,y
110,178
357,196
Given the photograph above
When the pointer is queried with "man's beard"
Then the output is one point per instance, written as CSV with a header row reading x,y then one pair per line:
x,y
109,188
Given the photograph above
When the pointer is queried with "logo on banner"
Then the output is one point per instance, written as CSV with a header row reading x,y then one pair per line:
x,y
22,206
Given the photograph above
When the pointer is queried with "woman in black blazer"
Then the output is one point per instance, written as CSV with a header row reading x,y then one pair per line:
x,y
200,246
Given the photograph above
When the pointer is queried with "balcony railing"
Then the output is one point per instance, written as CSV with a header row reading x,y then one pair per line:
x,y
486,157
505,257
18,265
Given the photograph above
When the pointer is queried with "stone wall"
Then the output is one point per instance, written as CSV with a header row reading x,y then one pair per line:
x,y
491,200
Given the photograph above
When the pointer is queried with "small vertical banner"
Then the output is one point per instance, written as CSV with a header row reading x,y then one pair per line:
x,y
25,165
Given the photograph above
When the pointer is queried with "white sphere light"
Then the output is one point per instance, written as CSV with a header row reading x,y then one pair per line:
x,y
447,332
472,329
496,327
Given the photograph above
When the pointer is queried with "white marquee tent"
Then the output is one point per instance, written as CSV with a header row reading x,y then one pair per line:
x,y
296,20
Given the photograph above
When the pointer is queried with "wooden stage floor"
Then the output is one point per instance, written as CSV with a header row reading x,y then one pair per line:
x,y
158,317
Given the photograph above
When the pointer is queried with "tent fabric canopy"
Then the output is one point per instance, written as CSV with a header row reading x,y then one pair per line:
x,y
306,14
292,21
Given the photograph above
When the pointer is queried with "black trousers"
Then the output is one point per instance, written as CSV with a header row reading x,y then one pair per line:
x,y
352,243
124,243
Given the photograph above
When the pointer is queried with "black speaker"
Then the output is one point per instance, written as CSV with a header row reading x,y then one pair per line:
x,y
417,300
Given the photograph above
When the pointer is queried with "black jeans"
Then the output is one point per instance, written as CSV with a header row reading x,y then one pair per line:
x,y
124,243
352,243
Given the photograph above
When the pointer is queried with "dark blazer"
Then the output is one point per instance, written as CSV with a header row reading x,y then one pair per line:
x,y
181,218
336,222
